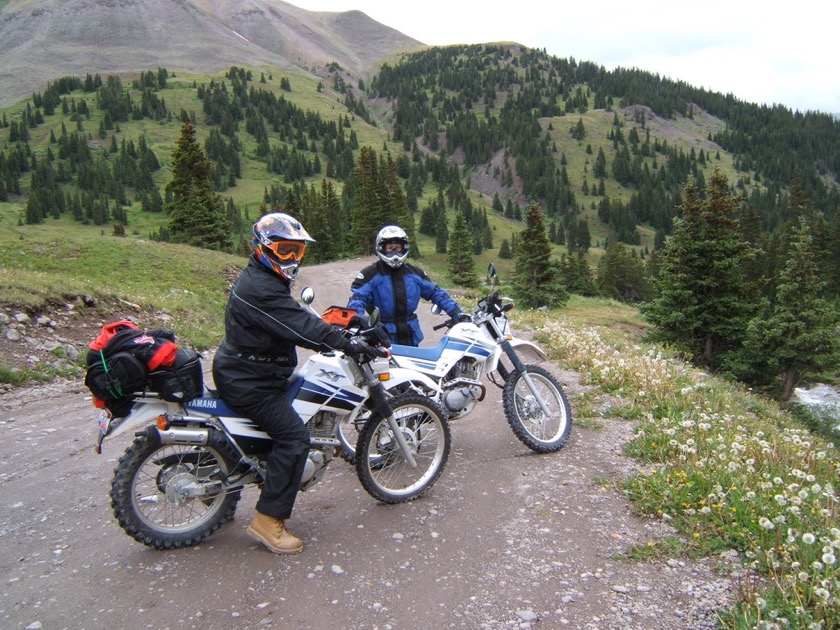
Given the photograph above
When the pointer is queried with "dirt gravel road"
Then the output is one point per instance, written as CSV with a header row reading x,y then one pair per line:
x,y
505,539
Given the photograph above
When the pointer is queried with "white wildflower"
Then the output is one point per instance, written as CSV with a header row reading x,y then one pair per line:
x,y
822,592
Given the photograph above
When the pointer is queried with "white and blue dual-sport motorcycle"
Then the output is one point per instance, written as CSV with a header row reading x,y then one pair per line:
x,y
451,373
182,476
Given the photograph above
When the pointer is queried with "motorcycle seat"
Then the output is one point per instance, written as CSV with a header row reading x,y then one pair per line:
x,y
431,353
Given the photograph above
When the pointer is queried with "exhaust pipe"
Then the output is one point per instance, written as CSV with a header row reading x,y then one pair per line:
x,y
184,435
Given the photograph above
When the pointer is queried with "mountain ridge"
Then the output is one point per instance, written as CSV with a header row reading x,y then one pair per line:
x,y
43,40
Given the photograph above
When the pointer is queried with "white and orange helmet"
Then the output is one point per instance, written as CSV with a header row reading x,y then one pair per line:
x,y
279,243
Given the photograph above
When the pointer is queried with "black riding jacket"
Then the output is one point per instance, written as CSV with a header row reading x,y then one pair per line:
x,y
263,327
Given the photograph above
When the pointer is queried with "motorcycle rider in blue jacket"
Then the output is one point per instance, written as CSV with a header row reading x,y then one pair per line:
x,y
396,287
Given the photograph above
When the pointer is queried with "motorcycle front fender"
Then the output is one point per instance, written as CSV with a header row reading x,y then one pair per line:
x,y
401,376
529,353
142,414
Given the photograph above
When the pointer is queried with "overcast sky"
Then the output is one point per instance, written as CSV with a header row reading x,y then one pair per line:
x,y
761,52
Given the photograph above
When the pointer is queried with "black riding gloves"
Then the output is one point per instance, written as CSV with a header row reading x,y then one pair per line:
x,y
360,321
358,347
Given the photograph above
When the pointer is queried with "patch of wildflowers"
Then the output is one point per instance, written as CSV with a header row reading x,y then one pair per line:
x,y
743,478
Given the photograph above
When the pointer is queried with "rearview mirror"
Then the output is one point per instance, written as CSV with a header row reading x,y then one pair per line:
x,y
307,296
492,279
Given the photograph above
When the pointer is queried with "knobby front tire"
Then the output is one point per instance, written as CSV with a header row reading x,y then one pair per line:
x,y
540,433
380,464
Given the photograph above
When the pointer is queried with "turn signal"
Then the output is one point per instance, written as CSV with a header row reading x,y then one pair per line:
x,y
384,377
162,423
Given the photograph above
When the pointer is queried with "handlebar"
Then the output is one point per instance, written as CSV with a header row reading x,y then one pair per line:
x,y
376,337
490,304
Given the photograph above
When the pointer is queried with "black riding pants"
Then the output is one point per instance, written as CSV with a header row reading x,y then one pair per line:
x,y
255,390
286,461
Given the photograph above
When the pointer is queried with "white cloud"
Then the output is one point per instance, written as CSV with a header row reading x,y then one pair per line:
x,y
764,53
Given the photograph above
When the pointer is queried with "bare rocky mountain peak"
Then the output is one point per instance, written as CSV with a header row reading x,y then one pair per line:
x,y
43,40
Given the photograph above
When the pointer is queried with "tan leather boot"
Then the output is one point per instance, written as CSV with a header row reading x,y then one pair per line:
x,y
273,534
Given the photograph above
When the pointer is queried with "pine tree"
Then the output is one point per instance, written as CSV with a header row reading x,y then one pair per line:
x,y
428,221
622,275
798,338
600,168
704,302
441,233
576,275
504,250
497,204
396,205
798,206
755,266
327,226
536,279
196,213
367,217
460,260
832,267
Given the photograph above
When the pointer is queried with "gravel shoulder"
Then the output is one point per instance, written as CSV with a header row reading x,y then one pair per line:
x,y
505,539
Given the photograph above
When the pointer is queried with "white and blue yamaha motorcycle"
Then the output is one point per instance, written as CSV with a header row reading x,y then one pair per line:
x,y
451,373
183,475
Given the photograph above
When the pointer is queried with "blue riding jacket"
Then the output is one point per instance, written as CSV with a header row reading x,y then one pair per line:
x,y
397,292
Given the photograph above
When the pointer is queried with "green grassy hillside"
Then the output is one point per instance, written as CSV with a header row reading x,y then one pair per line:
x,y
47,265
721,464
321,99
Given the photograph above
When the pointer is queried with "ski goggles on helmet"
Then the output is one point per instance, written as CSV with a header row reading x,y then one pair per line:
x,y
288,250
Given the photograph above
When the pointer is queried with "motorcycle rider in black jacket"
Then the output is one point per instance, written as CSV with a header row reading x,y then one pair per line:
x,y
263,327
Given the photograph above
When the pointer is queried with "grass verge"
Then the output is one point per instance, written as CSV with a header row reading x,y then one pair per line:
x,y
730,470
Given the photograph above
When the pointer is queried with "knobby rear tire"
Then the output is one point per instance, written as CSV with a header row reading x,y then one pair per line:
x,y
145,499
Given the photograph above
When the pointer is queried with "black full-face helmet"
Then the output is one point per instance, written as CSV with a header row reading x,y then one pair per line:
x,y
392,245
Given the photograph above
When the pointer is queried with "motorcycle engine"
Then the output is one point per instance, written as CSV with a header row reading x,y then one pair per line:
x,y
457,399
461,399
321,435
462,390
316,464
